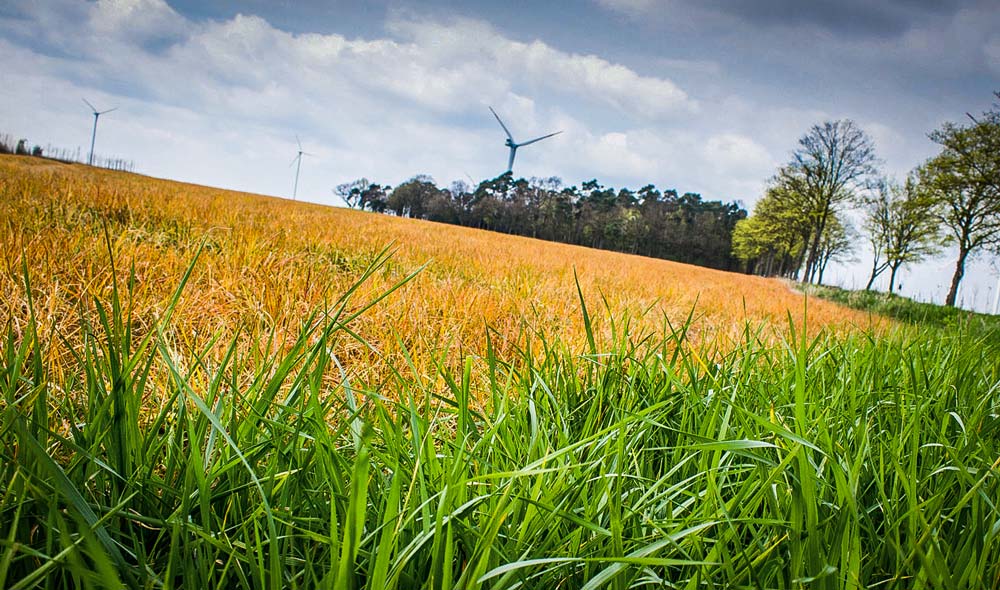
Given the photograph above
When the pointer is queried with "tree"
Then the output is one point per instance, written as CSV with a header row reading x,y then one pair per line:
x,y
964,181
648,221
462,199
836,243
412,198
773,240
832,162
899,227
362,194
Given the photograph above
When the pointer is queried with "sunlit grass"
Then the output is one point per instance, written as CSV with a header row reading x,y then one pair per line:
x,y
269,262
827,462
203,389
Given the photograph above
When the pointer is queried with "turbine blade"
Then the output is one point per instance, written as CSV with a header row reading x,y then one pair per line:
x,y
107,111
510,160
507,131
539,139
92,107
294,160
298,142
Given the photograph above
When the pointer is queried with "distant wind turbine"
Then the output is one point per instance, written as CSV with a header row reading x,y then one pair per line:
x,y
93,136
298,165
513,145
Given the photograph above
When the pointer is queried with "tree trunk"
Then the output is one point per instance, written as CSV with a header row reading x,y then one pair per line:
x,y
876,271
892,279
871,281
801,258
957,277
813,260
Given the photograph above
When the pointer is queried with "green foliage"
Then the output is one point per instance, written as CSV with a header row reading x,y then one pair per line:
x,y
649,222
964,181
833,162
363,194
901,225
847,462
774,240
413,197
910,311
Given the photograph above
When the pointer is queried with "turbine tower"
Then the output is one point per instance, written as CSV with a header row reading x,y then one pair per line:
x,y
298,165
93,136
513,145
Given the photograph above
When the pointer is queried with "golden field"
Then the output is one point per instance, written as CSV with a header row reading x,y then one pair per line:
x,y
268,262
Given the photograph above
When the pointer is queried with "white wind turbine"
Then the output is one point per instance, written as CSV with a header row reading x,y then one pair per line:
x,y
93,136
513,145
298,165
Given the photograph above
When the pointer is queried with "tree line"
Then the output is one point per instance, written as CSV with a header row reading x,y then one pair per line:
x,y
648,221
802,222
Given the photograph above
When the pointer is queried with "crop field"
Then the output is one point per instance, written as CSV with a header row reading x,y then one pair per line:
x,y
264,264
209,389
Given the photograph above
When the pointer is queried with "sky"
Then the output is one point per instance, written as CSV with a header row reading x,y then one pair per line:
x,y
706,96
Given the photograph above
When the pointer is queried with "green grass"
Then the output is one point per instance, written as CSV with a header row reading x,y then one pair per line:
x,y
905,309
848,462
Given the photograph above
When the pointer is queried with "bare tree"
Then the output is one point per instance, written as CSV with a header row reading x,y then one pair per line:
x,y
833,161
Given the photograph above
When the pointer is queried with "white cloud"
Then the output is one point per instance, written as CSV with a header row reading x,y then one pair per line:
x,y
135,20
539,65
212,100
220,102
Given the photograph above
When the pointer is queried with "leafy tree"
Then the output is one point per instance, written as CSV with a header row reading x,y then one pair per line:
x,y
362,194
964,181
648,221
833,160
773,240
900,228
462,199
751,242
441,208
412,198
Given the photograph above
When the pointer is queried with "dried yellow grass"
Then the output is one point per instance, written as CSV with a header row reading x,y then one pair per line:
x,y
267,262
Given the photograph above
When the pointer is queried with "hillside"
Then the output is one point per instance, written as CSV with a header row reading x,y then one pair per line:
x,y
187,400
269,261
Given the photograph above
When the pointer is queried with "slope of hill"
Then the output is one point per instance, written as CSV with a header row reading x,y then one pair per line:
x,y
267,262
476,426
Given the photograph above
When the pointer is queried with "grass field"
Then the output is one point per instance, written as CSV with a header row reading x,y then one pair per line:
x,y
267,262
207,389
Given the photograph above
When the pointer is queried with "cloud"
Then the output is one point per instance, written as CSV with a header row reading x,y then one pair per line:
x,y
538,66
711,103
991,50
849,18
386,107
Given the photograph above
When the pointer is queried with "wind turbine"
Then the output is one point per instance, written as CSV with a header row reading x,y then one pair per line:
x,y
298,165
513,145
93,136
